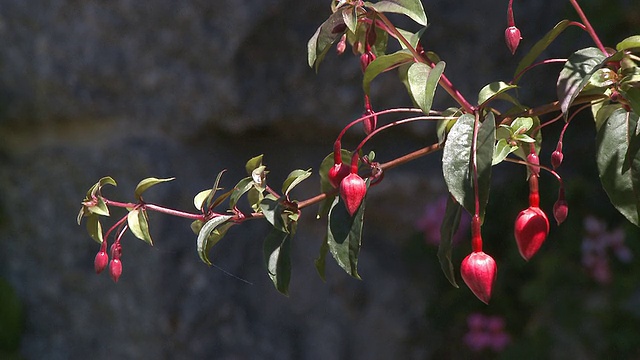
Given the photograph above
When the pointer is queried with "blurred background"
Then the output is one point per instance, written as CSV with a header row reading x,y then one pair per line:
x,y
134,89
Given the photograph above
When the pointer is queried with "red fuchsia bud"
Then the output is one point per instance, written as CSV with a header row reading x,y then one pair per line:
x,y
352,190
369,123
557,156
479,272
560,208
337,173
366,59
512,38
342,45
101,261
530,230
115,269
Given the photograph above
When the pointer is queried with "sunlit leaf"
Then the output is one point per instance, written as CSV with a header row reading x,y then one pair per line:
x,y
253,163
456,161
94,228
200,199
423,82
629,43
274,213
240,189
449,226
539,47
100,208
145,184
412,38
576,73
410,8
137,220
501,151
294,178
204,242
326,34
350,17
612,144
277,258
382,64
490,91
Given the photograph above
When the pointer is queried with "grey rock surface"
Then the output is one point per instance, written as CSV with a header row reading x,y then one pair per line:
x,y
134,89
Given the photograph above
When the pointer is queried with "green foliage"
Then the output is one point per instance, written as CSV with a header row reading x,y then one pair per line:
x,y
145,184
208,237
411,8
576,73
448,229
139,224
457,164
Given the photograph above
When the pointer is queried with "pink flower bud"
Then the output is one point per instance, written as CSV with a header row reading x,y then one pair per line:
x,y
557,156
479,272
530,230
512,38
366,59
337,173
342,45
352,190
115,269
560,208
101,261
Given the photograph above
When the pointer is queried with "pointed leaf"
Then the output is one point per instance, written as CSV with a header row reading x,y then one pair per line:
x,y
350,18
107,180
423,82
100,208
203,243
277,258
612,144
344,235
145,184
448,229
490,91
382,64
410,8
320,43
94,228
294,178
576,73
273,211
412,38
456,161
253,163
199,201
539,47
240,189
139,225
629,43
501,151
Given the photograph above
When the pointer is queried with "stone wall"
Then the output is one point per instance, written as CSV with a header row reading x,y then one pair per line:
x,y
134,89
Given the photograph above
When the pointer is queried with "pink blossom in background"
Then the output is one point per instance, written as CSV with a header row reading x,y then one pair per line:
x,y
486,332
595,245
431,219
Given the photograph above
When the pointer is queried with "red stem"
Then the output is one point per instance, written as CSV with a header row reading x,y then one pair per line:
x,y
588,26
510,20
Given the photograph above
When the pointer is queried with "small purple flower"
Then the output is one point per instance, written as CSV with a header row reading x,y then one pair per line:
x,y
595,246
431,220
486,332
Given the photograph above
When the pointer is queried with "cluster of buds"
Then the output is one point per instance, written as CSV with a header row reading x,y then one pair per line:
x,y
102,260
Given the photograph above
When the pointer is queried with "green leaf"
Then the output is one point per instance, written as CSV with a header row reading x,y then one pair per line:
x,y
344,235
539,47
255,197
490,91
612,144
350,18
94,228
576,73
633,96
139,225
321,261
253,163
107,180
603,113
456,161
204,242
209,201
629,43
145,184
200,199
240,189
423,82
276,213
294,178
382,64
448,229
277,258
410,8
100,208
412,38
501,151
324,37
